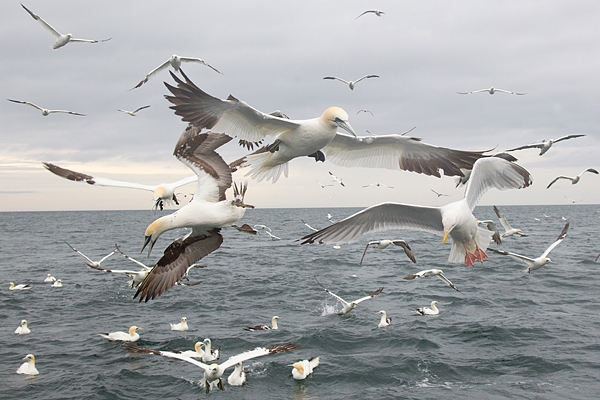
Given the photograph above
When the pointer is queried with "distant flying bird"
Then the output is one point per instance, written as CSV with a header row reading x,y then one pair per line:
x,y
351,84
508,230
432,272
264,327
377,184
573,201
61,40
304,368
439,194
175,62
130,336
347,307
335,178
536,263
28,367
385,320
365,111
545,145
491,225
382,244
428,311
323,186
90,263
573,180
493,90
133,113
45,111
376,12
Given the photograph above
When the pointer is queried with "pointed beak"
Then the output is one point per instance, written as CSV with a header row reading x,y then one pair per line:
x,y
445,238
147,241
346,126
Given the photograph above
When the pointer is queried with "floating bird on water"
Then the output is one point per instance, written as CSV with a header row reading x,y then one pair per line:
x,y
238,376
545,145
573,180
163,194
304,368
130,336
175,62
133,113
21,286
90,263
384,243
456,219
508,230
379,13
213,372
385,320
45,111
28,367
491,225
428,311
23,329
210,354
432,272
182,326
196,353
351,84
50,278
492,90
347,307
58,283
536,263
61,40
264,327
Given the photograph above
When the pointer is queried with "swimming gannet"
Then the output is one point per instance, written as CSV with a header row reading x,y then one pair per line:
x,y
58,283
130,336
45,111
196,353
264,327
432,272
545,145
347,307
351,84
175,62
20,286
382,244
492,90
50,278
508,230
304,368
23,329
238,376
456,219
134,112
210,354
573,180
385,320
182,326
428,311
28,367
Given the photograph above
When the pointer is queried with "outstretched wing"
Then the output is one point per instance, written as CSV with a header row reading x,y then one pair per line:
x,y
198,60
407,249
137,349
335,296
366,77
557,178
567,137
442,277
560,238
26,102
46,25
154,71
370,296
258,352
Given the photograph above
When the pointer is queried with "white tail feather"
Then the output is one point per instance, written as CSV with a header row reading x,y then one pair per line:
x,y
259,170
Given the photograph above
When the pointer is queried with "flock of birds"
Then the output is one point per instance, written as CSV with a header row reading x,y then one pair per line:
x,y
213,122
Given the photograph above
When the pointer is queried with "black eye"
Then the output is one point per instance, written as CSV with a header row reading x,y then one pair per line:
x,y
337,120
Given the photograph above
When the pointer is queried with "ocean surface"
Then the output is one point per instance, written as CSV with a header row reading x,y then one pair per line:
x,y
507,334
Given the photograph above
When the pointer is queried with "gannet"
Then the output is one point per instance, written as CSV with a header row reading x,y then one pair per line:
x,y
50,278
21,286
377,184
462,180
347,307
131,336
432,272
508,230
206,214
90,263
376,12
330,218
382,244
428,311
267,231
385,320
492,90
163,193
491,225
308,226
28,367
572,201
536,263
304,368
545,145
45,111
175,62
455,219
439,194
182,326
264,327
313,137
238,376
323,186
58,283
210,354
351,84
196,353
335,178
23,329
134,112
573,180
213,372
61,40
365,111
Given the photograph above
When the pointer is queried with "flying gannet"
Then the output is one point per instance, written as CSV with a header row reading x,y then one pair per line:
x,y
377,184
28,367
175,62
335,178
134,112
264,327
438,194
428,311
573,180
385,320
347,307
545,145
456,219
304,368
492,90
20,286
508,230
130,336
23,329
379,13
182,326
432,272
50,278
90,263
462,180
45,111
351,84
382,244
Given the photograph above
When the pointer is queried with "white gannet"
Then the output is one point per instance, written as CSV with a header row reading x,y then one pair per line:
x,y
456,219
267,230
545,145
304,368
28,367
196,353
377,184
45,111
491,225
335,178
308,226
23,329
347,307
205,215
20,286
90,263
323,186
58,283
462,180
182,326
61,40
312,137
428,311
385,320
264,327
382,244
432,272
213,372
573,180
508,230
573,201
134,112
238,376
50,278
351,84
330,218
379,13
130,336
536,263
438,194
365,111
163,193
210,354
175,62
492,90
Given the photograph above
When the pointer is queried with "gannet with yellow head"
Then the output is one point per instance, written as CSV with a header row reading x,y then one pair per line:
x,y
130,336
304,368
23,329
28,367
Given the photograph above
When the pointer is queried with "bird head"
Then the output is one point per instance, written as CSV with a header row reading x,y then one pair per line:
x,y
24,322
298,366
382,312
11,285
337,117
29,357
133,329
547,260
213,368
198,347
183,319
160,193
153,231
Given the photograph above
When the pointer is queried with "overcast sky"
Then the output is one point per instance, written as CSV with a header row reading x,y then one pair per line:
x,y
273,55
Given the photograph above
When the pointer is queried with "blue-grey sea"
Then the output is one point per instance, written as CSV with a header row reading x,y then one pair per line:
x,y
507,334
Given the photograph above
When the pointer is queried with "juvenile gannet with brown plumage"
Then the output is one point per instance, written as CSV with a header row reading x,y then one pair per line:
x,y
163,193
264,327
130,336
304,368
205,215
315,137
384,243
349,306
456,219
28,367
175,63
23,329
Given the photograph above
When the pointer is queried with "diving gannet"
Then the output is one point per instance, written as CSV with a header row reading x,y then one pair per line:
x,y
347,307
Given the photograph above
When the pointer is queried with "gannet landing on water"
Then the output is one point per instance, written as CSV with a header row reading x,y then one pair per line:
x,y
23,329
432,272
28,367
573,180
428,311
134,112
175,62
163,193
382,244
379,13
213,372
536,263
90,263
182,326
50,278
264,327
58,283
315,137
61,40
455,219
351,84
545,145
20,286
45,111
508,230
130,336
385,320
238,376
347,307
304,368
492,90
